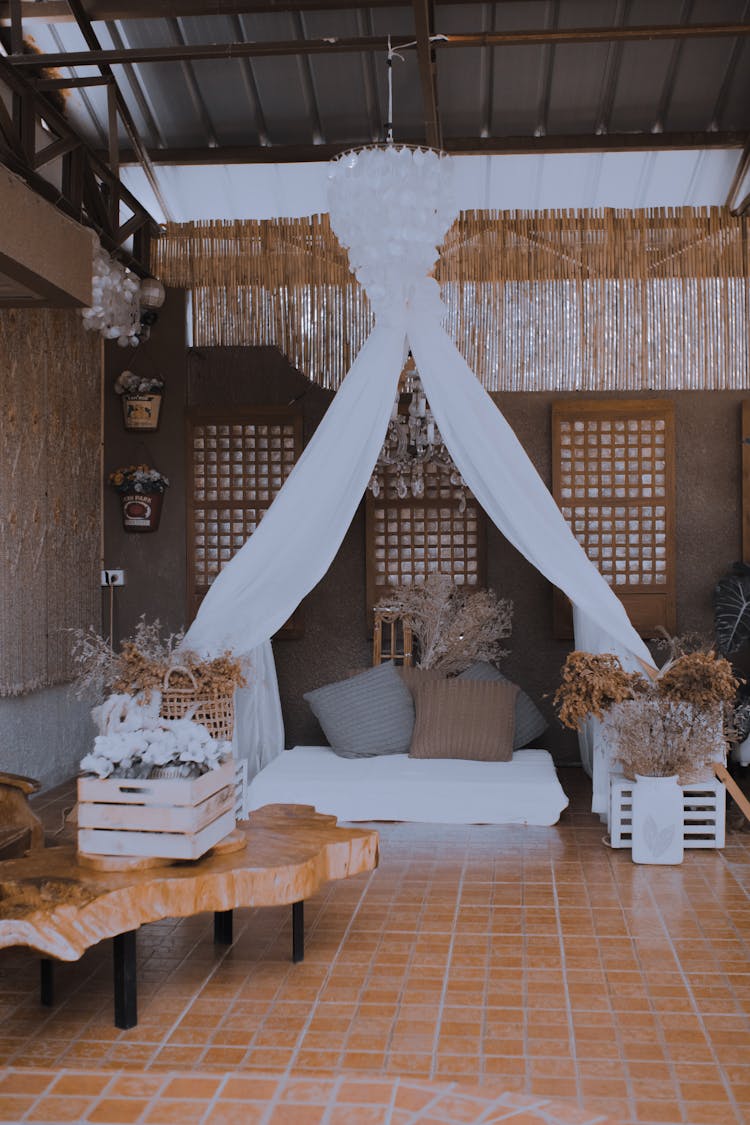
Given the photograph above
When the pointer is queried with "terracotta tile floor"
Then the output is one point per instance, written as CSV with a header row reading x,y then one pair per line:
x,y
533,960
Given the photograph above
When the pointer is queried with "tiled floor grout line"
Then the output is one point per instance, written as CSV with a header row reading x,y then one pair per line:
x,y
447,967
566,987
162,1043
271,943
696,1012
409,963
334,960
617,1030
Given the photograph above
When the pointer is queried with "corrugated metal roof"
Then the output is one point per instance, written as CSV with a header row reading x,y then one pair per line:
x,y
485,94
482,91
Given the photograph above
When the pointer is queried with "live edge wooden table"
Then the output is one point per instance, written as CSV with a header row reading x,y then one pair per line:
x,y
52,903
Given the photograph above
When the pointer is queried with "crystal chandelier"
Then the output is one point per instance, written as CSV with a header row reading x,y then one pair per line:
x,y
411,443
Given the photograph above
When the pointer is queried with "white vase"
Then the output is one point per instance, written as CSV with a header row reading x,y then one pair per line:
x,y
657,820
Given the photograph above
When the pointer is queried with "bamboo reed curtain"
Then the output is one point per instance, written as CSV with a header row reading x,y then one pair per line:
x,y
592,300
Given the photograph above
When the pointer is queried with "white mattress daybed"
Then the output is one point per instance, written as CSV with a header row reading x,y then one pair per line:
x,y
397,787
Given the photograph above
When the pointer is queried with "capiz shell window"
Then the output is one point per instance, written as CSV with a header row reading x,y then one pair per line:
x,y
614,480
238,461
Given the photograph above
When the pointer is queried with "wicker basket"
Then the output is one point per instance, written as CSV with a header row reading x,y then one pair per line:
x,y
216,715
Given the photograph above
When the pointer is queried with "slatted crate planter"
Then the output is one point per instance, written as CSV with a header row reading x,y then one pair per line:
x,y
164,818
704,813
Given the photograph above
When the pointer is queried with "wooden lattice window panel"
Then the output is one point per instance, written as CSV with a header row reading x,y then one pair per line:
x,y
238,460
614,480
407,539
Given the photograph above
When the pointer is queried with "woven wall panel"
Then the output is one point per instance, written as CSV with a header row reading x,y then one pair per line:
x,y
49,494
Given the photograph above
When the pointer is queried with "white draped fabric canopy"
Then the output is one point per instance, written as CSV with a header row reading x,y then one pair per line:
x,y
405,193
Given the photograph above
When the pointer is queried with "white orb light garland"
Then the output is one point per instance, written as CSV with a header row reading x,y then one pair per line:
x,y
115,309
391,207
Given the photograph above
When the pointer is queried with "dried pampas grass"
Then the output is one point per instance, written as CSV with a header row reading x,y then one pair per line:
x,y
659,737
671,724
142,663
454,628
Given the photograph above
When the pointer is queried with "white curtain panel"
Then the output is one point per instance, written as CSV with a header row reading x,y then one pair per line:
x,y
300,534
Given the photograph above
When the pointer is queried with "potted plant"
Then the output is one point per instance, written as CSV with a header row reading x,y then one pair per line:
x,y
141,490
664,731
141,399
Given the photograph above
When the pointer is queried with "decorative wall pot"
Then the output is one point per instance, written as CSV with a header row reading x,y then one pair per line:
x,y
141,511
657,820
141,412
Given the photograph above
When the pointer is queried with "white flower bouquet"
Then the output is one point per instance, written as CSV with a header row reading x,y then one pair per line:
x,y
134,741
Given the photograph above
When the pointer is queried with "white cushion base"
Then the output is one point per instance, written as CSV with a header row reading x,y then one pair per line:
x,y
397,787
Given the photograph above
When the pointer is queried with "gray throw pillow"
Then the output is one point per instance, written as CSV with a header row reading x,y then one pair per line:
x,y
530,722
366,715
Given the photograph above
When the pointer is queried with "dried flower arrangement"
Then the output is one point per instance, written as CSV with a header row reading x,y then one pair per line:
x,y
128,383
453,626
138,478
134,738
143,662
658,737
671,724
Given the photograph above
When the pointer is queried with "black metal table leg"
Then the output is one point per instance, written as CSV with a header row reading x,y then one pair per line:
x,y
223,927
298,931
126,1003
46,982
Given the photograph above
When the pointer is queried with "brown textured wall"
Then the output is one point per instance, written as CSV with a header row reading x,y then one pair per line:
x,y
334,641
154,562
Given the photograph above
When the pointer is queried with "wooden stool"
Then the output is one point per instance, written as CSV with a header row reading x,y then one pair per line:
x,y
392,640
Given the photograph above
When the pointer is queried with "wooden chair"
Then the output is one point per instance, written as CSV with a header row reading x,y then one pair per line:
x,y
392,640
20,827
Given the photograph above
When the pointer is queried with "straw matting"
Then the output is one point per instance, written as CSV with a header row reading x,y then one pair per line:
x,y
49,493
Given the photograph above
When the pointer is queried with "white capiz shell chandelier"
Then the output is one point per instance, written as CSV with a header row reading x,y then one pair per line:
x,y
115,310
391,208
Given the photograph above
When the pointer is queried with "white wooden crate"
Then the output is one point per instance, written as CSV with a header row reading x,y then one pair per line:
x,y
169,818
704,813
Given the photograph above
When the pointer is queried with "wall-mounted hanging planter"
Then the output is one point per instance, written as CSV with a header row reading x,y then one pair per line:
x,y
141,412
141,400
141,490
141,511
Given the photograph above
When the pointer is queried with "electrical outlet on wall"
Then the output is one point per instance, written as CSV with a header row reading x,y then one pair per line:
x,y
113,578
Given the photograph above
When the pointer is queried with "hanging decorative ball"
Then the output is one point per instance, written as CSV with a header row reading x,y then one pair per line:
x,y
152,293
115,306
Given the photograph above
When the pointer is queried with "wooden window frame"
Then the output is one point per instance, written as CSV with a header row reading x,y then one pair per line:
x,y
375,592
230,416
650,607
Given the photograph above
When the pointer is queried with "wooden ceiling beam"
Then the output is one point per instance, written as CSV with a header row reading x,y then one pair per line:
x,y
57,11
347,44
116,102
482,146
737,204
423,28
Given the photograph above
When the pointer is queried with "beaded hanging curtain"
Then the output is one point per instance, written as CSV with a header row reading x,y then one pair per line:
x,y
49,494
601,300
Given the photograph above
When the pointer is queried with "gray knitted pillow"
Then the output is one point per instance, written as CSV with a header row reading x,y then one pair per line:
x,y
530,722
366,715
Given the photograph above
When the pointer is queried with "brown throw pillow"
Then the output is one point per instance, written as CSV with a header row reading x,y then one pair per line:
x,y
470,719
